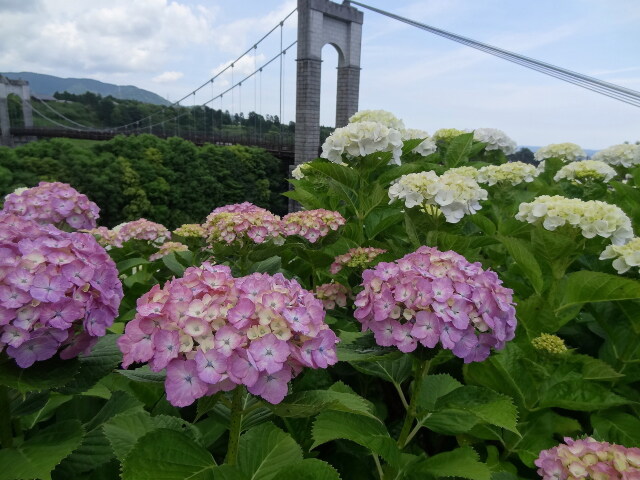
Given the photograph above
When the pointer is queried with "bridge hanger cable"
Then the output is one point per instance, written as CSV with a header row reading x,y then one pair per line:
x,y
611,90
193,92
54,122
62,116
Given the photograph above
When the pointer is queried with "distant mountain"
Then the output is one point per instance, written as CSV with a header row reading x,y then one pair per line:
x,y
589,152
48,85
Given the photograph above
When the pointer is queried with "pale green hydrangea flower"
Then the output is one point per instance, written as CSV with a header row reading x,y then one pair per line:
x,y
511,172
549,343
585,170
625,155
626,256
495,140
388,119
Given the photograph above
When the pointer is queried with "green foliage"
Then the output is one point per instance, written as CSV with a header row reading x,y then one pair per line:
x,y
167,181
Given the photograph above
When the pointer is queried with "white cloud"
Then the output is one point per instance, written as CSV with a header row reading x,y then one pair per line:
x,y
167,77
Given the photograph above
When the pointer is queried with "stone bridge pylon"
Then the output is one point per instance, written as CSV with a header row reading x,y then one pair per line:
x,y
21,89
322,22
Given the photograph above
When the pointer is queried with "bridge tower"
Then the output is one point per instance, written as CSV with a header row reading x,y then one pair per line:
x,y
321,22
21,89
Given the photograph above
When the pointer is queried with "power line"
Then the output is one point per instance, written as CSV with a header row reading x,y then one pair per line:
x,y
611,90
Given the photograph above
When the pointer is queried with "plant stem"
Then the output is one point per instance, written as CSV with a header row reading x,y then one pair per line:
x,y
378,466
6,433
420,372
235,425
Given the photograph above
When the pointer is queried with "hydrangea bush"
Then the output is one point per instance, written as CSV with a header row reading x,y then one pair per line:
x,y
432,297
212,332
222,362
53,202
59,291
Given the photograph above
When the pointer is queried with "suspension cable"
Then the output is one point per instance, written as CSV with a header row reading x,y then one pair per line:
x,y
62,116
611,90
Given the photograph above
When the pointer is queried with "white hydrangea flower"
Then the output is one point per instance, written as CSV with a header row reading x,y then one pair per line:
x,y
454,194
585,170
495,140
511,172
427,147
593,217
467,171
567,152
388,119
625,155
626,256
298,172
447,134
360,139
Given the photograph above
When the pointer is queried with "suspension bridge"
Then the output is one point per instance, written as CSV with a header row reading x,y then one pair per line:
x,y
319,22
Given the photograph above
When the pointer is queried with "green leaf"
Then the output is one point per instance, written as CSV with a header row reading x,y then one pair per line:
x,y
458,151
118,403
340,173
380,220
265,450
433,388
165,454
143,374
126,265
538,432
525,258
585,286
483,223
173,264
309,469
312,402
581,395
359,347
105,356
487,405
93,452
38,455
368,432
462,462
392,370
271,265
617,427
53,373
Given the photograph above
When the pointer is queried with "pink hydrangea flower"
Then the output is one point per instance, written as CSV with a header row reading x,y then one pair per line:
x,y
54,283
141,229
432,297
333,294
167,248
312,224
55,203
240,221
212,331
589,459
358,257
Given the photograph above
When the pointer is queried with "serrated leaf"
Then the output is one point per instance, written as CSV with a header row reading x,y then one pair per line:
x,y
93,452
309,469
586,286
345,176
489,406
524,257
368,432
358,347
461,462
433,388
483,223
126,265
270,265
617,427
395,370
265,450
312,402
172,263
581,395
38,455
144,374
165,454
459,150
118,403
53,373
103,358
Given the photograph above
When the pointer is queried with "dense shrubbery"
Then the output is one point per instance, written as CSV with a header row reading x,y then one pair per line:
x,y
167,181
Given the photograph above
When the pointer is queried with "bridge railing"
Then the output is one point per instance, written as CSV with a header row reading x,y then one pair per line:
x,y
275,142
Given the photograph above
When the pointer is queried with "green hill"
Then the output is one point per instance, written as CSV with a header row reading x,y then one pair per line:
x,y
49,84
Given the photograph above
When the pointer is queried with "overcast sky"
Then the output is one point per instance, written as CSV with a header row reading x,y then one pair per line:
x,y
172,47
